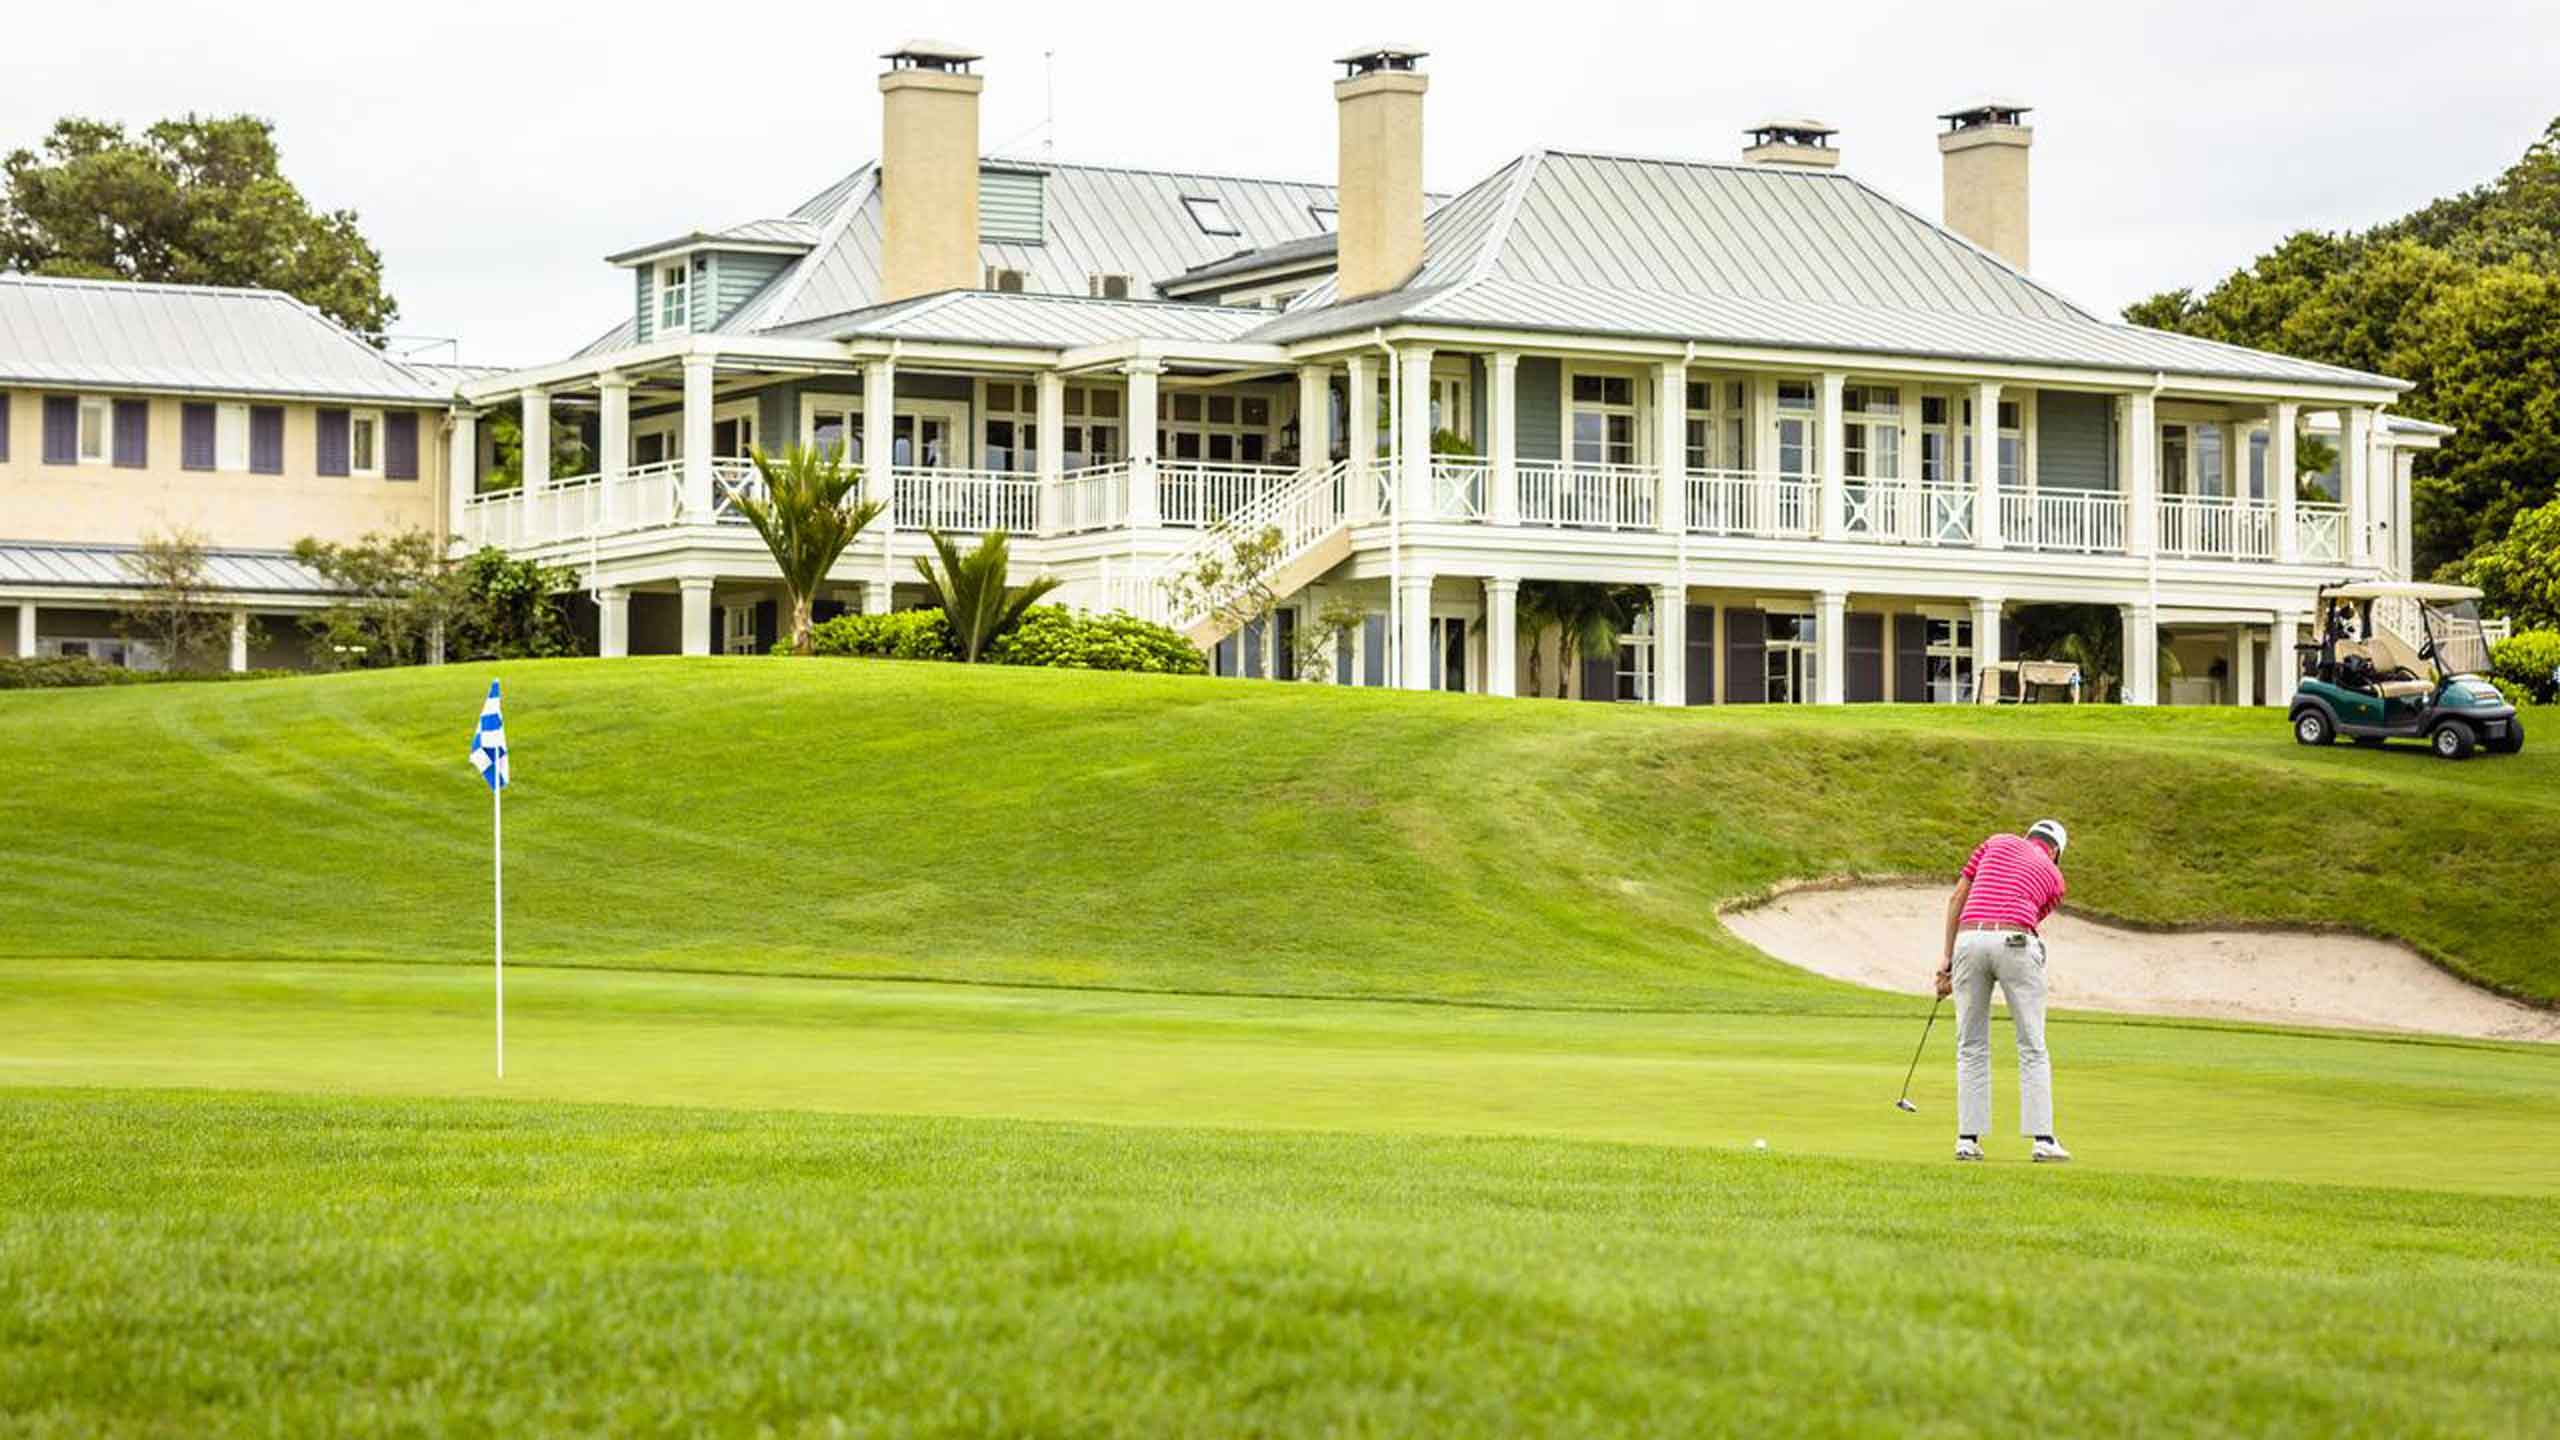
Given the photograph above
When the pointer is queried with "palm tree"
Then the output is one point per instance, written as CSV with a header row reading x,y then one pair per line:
x,y
809,513
1534,617
1589,617
976,603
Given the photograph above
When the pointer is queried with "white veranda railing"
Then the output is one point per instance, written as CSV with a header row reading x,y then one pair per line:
x,y
1301,514
2084,521
1746,503
2320,530
1907,512
1583,496
2216,527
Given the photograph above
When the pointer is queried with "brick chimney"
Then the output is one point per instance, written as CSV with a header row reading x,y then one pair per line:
x,y
1378,103
1804,144
1985,150
929,170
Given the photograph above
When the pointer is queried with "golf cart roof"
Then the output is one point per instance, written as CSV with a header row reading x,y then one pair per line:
x,y
2410,589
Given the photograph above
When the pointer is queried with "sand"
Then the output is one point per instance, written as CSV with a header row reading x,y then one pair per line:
x,y
1888,937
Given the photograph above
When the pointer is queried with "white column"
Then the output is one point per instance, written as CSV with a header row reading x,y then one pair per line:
x,y
2283,419
613,622
1831,644
697,451
1671,446
1833,459
1986,639
2244,665
1363,500
2403,479
1415,659
2141,655
2355,479
461,472
26,629
1502,413
1146,509
1315,416
536,424
696,591
239,641
2287,634
1050,443
613,437
1986,467
1915,513
1764,454
1413,436
2142,474
879,429
877,596
1501,635
1671,644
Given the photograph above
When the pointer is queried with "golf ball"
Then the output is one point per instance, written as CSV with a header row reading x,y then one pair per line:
x,y
1759,1144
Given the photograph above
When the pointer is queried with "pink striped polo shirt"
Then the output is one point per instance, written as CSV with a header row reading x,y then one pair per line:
x,y
2015,882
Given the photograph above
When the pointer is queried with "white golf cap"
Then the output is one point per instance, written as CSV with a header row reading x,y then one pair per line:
x,y
2050,832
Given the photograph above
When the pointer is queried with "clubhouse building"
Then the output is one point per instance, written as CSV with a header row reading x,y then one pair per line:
x,y
1838,445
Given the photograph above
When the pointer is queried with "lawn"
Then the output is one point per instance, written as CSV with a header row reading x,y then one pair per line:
x,y
913,1050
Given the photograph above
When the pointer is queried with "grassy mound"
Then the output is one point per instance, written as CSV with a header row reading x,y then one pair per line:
x,y
1060,828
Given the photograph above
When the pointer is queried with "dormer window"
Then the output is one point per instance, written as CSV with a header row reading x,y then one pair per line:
x,y
675,297
1210,215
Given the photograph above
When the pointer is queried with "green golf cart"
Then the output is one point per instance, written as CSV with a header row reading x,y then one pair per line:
x,y
2361,679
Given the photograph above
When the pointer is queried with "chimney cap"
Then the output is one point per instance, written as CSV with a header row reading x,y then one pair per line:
x,y
930,55
1791,132
1370,59
1986,112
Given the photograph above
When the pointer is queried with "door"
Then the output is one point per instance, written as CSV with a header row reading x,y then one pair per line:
x,y
931,435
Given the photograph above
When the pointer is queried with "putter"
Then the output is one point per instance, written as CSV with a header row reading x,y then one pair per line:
x,y
1904,1104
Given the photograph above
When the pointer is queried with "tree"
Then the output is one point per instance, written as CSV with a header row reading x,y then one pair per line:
x,y
976,602
507,609
175,615
1588,618
569,451
197,200
2519,573
810,512
1232,585
2462,298
403,602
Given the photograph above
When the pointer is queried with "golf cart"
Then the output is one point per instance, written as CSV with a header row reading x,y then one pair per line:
x,y
2361,679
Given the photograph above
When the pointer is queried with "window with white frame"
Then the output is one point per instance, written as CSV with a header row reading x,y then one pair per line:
x,y
1219,427
1210,214
2013,445
230,437
675,296
1799,453
1717,425
1093,430
2192,461
1791,658
97,427
1948,658
364,442
1009,426
1871,432
1604,419
1635,661
1449,408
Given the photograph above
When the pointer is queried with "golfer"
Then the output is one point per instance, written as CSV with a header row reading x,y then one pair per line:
x,y
2008,888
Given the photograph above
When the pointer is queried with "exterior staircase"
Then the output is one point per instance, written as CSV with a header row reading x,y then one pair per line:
x,y
1315,536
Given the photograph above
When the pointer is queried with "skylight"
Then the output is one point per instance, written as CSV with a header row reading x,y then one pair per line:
x,y
1327,217
1210,215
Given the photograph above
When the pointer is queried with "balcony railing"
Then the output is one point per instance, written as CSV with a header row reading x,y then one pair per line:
x,y
1745,503
2320,531
2087,522
1907,512
966,501
2217,527
1192,494
1588,497
1461,487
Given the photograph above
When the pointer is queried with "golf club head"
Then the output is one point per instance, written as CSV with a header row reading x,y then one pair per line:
x,y
1905,1106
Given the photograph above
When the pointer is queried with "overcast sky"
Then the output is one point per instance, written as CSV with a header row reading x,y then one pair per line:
x,y
496,152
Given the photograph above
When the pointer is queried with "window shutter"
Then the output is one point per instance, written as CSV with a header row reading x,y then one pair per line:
x,y
1600,677
132,434
266,440
1910,659
1746,653
4,425
333,442
1864,635
1700,631
61,430
768,625
195,436
400,445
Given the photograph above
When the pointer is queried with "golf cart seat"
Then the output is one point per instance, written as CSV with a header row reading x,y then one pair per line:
x,y
2387,653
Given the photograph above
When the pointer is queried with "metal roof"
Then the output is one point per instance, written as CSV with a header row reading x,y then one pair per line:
x,y
93,567
129,335
1312,250
1744,254
1054,322
786,232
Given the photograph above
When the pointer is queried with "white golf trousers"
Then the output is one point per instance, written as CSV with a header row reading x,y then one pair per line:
x,y
1982,958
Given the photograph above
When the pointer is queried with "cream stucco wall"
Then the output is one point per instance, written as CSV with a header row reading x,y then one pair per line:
x,y
1380,176
102,504
928,182
1986,187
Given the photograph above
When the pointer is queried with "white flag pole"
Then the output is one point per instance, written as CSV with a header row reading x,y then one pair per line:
x,y
498,902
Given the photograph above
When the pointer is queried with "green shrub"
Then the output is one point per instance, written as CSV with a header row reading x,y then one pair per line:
x,y
900,635
2524,662
1060,638
67,672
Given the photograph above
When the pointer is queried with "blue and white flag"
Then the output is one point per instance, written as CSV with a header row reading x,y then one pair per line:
x,y
489,742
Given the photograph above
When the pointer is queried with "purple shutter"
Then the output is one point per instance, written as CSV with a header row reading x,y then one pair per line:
x,y
133,434
333,442
195,437
61,430
266,440
5,399
400,445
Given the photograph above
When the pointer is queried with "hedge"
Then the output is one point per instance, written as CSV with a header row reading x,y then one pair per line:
x,y
1048,635
2525,662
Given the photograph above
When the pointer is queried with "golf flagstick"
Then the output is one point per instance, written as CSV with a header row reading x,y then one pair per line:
x,y
498,905
1904,1104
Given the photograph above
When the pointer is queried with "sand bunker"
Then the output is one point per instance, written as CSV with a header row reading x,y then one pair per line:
x,y
1887,937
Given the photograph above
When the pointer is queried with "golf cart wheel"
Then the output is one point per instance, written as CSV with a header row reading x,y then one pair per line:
x,y
2452,740
2511,742
2311,726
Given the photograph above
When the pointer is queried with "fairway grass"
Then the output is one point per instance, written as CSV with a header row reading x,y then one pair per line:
x,y
200,1264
